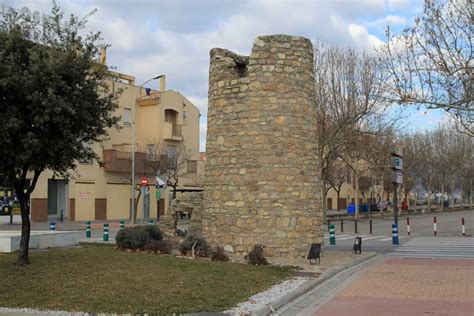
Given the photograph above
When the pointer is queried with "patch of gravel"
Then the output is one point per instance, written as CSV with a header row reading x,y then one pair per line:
x,y
261,299
254,303
31,311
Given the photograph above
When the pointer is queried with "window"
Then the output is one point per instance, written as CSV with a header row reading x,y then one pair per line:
x,y
151,154
171,151
172,159
171,116
127,117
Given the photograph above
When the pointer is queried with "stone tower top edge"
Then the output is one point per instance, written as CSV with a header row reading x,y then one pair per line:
x,y
281,37
221,53
261,40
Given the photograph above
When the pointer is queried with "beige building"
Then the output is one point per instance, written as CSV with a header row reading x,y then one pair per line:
x,y
347,193
166,122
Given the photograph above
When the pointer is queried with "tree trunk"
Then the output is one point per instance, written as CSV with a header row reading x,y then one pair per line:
x,y
417,196
137,200
338,197
25,229
452,194
470,193
323,200
428,190
174,192
441,207
381,193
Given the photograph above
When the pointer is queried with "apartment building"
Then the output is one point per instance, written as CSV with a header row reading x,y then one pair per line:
x,y
165,122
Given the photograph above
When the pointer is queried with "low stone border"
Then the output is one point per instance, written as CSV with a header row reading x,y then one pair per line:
x,y
308,286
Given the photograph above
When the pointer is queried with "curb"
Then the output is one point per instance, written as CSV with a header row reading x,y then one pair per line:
x,y
308,286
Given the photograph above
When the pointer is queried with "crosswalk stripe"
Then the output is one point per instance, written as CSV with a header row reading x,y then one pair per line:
x,y
345,238
433,255
371,237
437,247
364,237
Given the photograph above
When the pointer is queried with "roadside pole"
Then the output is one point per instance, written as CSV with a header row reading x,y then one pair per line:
x,y
395,204
397,175
397,178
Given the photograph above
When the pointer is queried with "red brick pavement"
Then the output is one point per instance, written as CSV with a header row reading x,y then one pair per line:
x,y
409,287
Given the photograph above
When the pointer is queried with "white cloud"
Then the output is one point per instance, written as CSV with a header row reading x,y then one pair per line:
x,y
362,38
175,37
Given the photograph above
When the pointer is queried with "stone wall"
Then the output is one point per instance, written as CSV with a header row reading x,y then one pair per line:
x,y
187,202
261,182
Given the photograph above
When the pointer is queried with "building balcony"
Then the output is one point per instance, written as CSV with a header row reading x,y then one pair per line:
x,y
121,161
172,131
151,99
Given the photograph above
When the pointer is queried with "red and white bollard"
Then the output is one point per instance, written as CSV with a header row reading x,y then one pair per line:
x,y
463,228
434,226
408,226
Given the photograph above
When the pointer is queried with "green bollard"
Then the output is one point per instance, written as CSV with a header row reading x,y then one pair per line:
x,y
150,222
106,232
122,224
332,235
88,229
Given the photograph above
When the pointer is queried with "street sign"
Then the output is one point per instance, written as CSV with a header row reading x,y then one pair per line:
x,y
161,182
144,181
397,163
396,149
397,177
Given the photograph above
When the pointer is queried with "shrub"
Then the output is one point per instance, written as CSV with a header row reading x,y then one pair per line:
x,y
161,246
181,233
137,237
201,249
154,232
256,256
219,255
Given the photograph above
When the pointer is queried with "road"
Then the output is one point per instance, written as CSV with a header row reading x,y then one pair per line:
x,y
424,275
380,241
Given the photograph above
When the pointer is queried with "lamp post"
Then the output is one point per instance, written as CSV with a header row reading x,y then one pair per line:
x,y
133,144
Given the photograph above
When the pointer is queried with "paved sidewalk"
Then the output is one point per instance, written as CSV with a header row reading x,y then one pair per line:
x,y
412,286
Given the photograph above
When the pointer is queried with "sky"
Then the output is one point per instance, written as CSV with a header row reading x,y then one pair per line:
x,y
174,37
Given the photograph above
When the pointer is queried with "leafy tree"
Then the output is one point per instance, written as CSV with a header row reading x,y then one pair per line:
x,y
53,101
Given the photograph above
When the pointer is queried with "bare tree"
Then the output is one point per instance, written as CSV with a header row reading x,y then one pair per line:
x,y
431,62
169,160
359,156
347,95
442,159
176,166
337,176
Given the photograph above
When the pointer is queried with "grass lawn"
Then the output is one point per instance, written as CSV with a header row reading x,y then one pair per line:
x,y
98,278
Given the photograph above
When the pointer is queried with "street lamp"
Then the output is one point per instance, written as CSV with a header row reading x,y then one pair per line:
x,y
133,144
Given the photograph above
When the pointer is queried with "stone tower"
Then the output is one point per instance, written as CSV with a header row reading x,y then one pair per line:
x,y
261,182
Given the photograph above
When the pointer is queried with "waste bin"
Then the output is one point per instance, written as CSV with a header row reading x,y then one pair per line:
x,y
351,209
